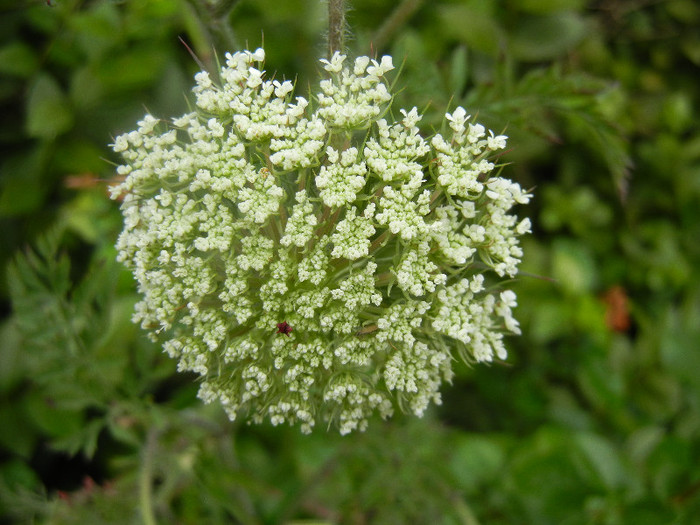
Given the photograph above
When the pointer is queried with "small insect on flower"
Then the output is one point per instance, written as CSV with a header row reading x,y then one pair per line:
x,y
284,328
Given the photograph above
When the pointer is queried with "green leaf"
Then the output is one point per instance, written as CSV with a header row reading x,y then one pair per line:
x,y
79,156
538,38
548,319
602,389
86,90
573,266
20,181
123,428
19,435
475,460
546,480
16,473
668,465
604,140
474,29
459,71
97,29
678,112
82,439
687,11
11,357
82,215
680,333
53,420
603,460
17,59
48,111
135,69
65,327
691,48
549,6
642,442
566,410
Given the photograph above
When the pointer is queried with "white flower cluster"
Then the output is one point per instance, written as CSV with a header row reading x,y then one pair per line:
x,y
317,260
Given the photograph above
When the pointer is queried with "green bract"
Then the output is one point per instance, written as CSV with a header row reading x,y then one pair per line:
x,y
317,261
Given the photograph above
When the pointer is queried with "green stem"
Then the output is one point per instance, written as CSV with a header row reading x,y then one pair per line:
x,y
336,26
145,481
396,20
209,27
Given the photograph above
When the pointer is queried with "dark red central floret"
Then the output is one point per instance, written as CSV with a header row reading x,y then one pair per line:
x,y
284,328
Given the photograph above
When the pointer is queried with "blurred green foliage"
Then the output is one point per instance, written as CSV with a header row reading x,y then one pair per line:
x,y
595,418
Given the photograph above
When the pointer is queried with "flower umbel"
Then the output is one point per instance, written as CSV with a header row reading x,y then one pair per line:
x,y
317,260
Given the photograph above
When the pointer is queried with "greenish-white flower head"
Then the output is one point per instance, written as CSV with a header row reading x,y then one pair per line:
x,y
318,261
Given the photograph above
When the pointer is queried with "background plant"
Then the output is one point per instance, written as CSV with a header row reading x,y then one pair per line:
x,y
595,420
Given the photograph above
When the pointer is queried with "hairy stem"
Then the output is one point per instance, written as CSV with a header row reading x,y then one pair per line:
x,y
336,26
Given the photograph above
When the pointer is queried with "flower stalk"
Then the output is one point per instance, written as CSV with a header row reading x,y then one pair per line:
x,y
336,26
